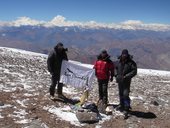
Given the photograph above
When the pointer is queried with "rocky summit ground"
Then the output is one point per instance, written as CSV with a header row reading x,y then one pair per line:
x,y
25,103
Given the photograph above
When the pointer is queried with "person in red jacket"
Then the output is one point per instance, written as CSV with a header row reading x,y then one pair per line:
x,y
104,71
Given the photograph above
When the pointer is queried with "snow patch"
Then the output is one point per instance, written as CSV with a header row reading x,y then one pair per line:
x,y
24,121
28,87
5,106
28,95
152,72
164,81
138,98
19,116
67,116
104,118
1,116
23,51
22,102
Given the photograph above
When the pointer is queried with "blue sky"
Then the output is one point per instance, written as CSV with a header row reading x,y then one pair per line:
x,y
107,11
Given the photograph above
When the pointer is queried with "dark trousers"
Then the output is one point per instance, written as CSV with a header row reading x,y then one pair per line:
x,y
54,82
124,90
103,93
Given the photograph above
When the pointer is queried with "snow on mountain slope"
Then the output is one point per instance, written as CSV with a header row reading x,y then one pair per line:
x,y
140,71
24,102
62,21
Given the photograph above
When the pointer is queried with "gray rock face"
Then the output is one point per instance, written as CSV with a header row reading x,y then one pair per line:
x,y
36,124
87,117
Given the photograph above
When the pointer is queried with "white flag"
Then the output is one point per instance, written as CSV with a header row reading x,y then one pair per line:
x,y
76,75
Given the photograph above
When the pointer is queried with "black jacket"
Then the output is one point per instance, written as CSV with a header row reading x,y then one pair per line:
x,y
54,61
125,71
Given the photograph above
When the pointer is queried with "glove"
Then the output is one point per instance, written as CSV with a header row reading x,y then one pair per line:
x,y
119,79
124,77
111,79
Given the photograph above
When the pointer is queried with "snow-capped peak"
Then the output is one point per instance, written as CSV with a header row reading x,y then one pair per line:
x,y
61,21
26,21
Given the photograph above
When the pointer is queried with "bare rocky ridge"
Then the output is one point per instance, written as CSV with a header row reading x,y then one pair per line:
x,y
24,99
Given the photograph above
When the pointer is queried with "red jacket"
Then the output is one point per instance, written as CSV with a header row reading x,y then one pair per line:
x,y
103,69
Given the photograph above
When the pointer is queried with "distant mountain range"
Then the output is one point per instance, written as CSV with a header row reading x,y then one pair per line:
x,y
150,48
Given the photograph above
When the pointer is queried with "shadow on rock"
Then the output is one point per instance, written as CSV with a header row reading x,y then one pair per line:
x,y
67,100
146,115
114,105
139,114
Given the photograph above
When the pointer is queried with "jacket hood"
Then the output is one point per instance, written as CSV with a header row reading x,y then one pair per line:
x,y
99,57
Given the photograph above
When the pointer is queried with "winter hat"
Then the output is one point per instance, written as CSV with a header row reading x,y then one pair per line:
x,y
104,51
125,52
60,44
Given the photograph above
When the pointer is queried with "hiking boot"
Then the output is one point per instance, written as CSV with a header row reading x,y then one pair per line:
x,y
126,115
130,108
61,96
120,108
102,107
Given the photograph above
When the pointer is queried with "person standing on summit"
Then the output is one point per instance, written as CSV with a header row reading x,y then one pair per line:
x,y
54,62
126,69
104,71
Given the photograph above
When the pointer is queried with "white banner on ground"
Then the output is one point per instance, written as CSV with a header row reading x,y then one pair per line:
x,y
76,75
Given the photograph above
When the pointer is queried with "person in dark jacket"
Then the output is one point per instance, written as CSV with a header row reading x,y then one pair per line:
x,y
54,62
126,69
104,71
